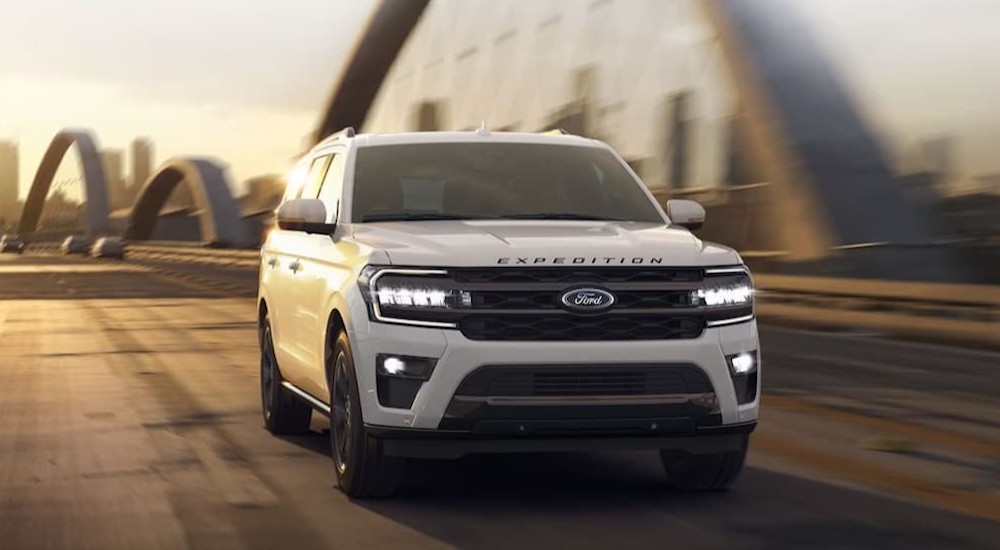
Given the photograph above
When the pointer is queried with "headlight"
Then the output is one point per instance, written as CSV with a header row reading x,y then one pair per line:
x,y
421,297
413,297
729,291
726,295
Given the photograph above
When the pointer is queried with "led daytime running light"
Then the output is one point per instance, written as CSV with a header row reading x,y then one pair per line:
x,y
725,295
413,297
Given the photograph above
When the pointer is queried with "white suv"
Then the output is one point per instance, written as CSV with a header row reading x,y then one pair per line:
x,y
439,294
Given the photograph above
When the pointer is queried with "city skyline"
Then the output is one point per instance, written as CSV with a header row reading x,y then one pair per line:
x,y
247,98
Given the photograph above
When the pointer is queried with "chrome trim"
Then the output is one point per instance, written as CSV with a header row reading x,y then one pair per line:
x,y
733,321
315,403
603,307
373,298
719,270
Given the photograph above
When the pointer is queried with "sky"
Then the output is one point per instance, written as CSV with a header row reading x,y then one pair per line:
x,y
245,81
239,80
920,68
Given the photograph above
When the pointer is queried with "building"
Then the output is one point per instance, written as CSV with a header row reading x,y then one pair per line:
x,y
141,152
648,78
10,206
112,161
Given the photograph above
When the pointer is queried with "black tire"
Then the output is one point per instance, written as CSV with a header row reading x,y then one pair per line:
x,y
703,472
284,413
363,469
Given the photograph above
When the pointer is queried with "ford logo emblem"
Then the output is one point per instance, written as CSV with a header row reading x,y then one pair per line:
x,y
587,299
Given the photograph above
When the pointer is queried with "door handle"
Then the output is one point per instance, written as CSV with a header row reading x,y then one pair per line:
x,y
295,266
272,262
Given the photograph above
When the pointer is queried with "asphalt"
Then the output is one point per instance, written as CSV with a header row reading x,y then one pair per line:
x,y
129,418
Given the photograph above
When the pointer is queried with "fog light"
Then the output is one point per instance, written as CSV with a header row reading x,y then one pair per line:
x,y
393,365
403,366
744,369
743,363
399,378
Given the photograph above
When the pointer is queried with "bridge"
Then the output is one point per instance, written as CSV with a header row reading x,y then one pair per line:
x,y
130,413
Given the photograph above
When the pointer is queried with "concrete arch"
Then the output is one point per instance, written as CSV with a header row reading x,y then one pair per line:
x,y
94,182
374,53
221,223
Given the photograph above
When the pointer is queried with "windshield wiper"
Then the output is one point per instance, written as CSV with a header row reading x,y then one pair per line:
x,y
420,216
559,216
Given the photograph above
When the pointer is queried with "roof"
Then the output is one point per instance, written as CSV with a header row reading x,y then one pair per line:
x,y
370,140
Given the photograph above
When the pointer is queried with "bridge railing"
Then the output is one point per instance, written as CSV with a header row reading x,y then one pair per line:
x,y
182,253
965,314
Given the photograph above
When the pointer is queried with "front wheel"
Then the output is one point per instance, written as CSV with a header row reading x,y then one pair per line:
x,y
363,469
284,413
704,472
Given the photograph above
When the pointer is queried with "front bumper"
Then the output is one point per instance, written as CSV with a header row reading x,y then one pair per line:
x,y
458,357
447,444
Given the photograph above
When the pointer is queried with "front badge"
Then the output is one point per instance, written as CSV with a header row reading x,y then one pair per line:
x,y
587,300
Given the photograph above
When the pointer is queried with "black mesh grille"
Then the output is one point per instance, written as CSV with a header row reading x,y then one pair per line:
x,y
585,381
631,299
566,327
573,274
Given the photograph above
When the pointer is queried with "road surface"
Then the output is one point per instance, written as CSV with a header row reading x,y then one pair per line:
x,y
129,418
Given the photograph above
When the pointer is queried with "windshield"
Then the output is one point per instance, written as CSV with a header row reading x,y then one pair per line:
x,y
435,181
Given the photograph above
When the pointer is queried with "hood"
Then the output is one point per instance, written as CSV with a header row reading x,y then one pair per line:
x,y
540,243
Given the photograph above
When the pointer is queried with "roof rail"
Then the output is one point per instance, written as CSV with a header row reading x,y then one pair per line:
x,y
346,132
555,132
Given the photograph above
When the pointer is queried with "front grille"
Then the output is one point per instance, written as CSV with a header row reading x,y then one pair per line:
x,y
585,381
540,327
630,299
525,303
572,274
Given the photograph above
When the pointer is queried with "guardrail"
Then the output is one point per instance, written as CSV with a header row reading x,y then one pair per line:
x,y
933,311
188,254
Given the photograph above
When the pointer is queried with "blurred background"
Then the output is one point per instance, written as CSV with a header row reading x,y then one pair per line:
x,y
824,137
847,148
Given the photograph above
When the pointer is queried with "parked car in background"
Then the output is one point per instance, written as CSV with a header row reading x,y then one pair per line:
x,y
11,243
76,244
108,247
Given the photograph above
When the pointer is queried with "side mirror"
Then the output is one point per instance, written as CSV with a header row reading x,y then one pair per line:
x,y
308,215
685,213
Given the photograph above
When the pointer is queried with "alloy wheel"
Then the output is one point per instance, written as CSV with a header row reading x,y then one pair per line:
x,y
340,414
